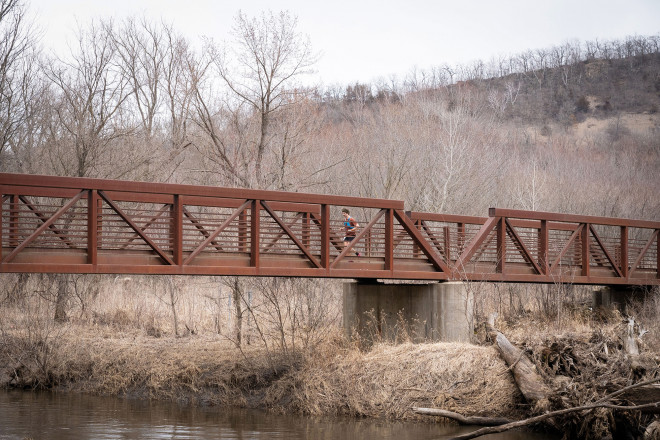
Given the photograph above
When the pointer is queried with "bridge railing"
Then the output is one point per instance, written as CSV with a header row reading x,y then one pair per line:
x,y
59,224
546,247
73,225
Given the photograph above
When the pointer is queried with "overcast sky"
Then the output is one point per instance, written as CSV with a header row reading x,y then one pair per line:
x,y
363,40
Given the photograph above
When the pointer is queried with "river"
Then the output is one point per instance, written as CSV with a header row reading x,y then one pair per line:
x,y
58,416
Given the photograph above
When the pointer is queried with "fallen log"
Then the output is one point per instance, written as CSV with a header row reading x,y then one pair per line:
x,y
529,381
463,420
643,395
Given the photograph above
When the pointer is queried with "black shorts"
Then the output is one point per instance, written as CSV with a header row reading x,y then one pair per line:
x,y
349,238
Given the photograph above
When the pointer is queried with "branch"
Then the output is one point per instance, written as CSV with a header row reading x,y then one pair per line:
x,y
598,404
472,420
629,387
532,420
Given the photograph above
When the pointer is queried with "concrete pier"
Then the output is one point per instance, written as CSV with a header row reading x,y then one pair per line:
x,y
617,297
396,312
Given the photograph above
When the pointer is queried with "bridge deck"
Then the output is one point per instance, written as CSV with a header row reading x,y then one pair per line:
x,y
71,225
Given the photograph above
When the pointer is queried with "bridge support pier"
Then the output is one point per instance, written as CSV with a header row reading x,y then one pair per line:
x,y
617,297
421,312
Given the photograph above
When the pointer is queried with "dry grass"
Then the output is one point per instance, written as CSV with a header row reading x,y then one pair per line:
x,y
389,380
334,379
189,370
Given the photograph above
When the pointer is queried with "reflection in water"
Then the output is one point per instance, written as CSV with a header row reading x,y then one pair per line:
x,y
72,416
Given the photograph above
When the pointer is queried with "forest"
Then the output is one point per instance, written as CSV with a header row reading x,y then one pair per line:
x,y
573,128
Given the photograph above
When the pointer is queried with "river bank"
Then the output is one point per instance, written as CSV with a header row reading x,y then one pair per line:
x,y
120,345
335,378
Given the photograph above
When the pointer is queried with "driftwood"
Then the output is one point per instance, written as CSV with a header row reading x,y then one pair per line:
x,y
463,420
549,415
652,431
643,395
630,339
601,403
529,381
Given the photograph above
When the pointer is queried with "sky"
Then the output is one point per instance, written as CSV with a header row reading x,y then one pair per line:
x,y
367,40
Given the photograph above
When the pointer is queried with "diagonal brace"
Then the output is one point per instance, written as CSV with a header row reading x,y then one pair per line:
x,y
607,254
47,224
201,228
421,242
274,240
434,239
291,234
211,238
146,225
136,228
522,248
62,236
476,241
570,241
643,252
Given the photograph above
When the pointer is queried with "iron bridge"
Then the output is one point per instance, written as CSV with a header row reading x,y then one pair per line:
x,y
79,225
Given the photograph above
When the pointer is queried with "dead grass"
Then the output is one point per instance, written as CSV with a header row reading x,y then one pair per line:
x,y
388,380
335,379
189,370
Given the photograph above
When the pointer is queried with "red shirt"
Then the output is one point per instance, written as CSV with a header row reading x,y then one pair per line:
x,y
350,225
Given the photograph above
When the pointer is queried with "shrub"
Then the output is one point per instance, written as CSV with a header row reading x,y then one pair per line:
x,y
582,104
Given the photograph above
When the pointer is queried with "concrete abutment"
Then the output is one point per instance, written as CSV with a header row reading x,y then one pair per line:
x,y
420,312
618,297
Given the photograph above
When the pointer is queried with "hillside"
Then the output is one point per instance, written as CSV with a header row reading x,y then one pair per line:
x,y
581,137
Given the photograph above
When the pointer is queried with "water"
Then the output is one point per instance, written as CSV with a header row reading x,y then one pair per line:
x,y
29,415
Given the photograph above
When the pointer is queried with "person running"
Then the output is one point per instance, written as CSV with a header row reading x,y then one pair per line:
x,y
350,228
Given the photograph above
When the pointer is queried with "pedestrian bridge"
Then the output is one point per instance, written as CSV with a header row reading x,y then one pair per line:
x,y
79,225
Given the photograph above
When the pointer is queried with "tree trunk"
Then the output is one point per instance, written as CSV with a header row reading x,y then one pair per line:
x,y
529,381
173,300
18,290
630,339
62,298
644,395
238,323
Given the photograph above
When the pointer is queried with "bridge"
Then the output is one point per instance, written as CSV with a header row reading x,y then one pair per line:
x,y
80,225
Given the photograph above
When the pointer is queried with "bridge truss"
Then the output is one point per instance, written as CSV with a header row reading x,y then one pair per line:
x,y
76,225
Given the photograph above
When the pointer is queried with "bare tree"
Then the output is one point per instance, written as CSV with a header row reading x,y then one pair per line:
x,y
19,86
88,111
530,187
155,61
296,161
177,83
259,71
141,52
222,137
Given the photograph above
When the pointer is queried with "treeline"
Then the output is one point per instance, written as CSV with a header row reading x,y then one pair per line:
x,y
542,85
135,100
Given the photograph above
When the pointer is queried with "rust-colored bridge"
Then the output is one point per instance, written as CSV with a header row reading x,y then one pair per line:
x,y
74,225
